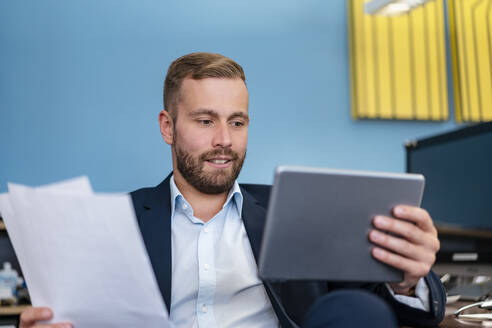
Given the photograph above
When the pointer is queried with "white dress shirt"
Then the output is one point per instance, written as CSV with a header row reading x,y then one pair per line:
x,y
214,274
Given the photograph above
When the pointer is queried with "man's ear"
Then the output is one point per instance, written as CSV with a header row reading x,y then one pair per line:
x,y
166,125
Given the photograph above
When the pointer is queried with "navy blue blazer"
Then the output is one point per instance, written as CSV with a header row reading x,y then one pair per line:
x,y
290,299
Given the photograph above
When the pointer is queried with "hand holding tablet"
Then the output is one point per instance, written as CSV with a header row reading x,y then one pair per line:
x,y
319,222
410,244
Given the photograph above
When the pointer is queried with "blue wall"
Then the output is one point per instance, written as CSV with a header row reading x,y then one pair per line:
x,y
81,87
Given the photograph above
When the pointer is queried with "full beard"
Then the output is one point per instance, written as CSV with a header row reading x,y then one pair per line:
x,y
213,183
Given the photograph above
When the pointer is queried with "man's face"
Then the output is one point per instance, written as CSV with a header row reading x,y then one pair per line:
x,y
211,133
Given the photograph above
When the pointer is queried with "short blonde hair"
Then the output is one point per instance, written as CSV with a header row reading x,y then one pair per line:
x,y
198,65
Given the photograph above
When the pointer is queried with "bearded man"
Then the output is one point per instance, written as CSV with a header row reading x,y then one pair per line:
x,y
203,230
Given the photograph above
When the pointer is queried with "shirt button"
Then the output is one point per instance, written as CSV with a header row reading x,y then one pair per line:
x,y
206,266
204,308
185,206
206,229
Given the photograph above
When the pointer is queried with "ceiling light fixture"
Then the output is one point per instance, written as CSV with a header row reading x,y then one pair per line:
x,y
391,7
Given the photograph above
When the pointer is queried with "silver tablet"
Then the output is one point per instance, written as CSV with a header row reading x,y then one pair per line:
x,y
318,222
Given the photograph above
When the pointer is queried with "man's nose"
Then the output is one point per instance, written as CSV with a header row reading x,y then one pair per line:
x,y
222,137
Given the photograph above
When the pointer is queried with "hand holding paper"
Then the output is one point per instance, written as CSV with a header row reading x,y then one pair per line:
x,y
82,255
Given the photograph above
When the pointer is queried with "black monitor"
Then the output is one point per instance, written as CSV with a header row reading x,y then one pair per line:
x,y
458,194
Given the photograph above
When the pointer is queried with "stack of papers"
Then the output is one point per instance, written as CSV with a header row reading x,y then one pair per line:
x,y
82,255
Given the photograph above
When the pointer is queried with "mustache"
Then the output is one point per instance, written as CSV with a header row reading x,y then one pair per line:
x,y
219,152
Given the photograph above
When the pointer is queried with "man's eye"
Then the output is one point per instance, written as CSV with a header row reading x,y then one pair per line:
x,y
237,124
205,122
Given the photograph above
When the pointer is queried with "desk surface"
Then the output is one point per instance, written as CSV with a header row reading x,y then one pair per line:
x,y
450,321
12,310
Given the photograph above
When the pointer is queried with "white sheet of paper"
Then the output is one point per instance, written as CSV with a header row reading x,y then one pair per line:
x,y
80,185
82,255
76,185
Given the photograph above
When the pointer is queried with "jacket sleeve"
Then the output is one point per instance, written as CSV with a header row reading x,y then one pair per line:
x,y
410,316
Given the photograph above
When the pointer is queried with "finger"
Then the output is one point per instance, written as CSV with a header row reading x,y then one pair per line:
x,y
415,214
409,231
54,325
33,314
402,247
411,267
404,287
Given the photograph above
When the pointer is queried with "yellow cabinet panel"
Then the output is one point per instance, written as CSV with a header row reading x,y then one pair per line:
x,y
398,64
471,48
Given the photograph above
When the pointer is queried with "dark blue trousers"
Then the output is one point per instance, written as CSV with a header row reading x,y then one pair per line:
x,y
350,308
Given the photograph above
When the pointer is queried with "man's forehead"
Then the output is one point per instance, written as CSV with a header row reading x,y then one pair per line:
x,y
189,82
209,92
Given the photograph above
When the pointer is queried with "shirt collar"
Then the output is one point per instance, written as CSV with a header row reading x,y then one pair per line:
x,y
234,195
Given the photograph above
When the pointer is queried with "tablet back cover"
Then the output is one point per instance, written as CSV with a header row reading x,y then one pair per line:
x,y
318,222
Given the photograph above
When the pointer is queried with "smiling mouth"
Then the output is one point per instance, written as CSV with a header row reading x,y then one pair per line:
x,y
220,158
219,161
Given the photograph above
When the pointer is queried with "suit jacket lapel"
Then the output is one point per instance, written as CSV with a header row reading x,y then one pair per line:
x,y
155,225
254,216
